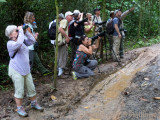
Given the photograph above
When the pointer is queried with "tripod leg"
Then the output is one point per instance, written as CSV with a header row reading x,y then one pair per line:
x,y
105,46
97,65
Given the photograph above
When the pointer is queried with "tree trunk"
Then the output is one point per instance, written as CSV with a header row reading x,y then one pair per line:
x,y
140,21
56,52
159,16
103,19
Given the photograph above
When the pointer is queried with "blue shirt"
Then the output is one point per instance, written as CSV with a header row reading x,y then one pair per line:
x,y
116,21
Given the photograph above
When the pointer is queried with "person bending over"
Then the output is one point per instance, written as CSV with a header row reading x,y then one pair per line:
x,y
82,66
19,68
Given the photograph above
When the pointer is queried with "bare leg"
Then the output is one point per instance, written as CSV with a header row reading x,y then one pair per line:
x,y
33,98
18,101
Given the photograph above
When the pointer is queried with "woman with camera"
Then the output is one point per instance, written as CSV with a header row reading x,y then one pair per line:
x,y
89,26
82,66
29,19
19,68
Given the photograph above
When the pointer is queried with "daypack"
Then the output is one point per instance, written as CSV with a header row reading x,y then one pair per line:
x,y
110,27
52,31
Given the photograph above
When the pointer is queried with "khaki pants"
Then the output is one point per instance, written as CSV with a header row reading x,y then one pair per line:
x,y
62,56
116,45
21,82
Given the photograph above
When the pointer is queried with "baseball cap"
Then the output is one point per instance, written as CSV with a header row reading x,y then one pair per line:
x,y
61,15
97,9
117,11
68,13
76,11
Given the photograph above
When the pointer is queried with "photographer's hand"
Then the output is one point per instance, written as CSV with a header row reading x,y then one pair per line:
x,y
75,24
36,35
19,27
67,39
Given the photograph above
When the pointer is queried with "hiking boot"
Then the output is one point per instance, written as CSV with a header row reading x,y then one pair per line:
x,y
22,112
60,72
37,107
74,76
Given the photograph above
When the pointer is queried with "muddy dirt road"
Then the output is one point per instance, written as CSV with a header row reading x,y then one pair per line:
x,y
117,93
105,101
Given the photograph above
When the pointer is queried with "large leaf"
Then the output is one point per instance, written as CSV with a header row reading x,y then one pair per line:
x,y
3,1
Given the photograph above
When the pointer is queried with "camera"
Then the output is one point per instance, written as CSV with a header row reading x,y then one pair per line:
x,y
82,21
98,35
101,23
24,27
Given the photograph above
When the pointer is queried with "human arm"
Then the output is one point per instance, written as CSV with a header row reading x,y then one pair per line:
x,y
117,30
29,39
88,28
35,35
61,30
97,43
15,45
85,49
124,14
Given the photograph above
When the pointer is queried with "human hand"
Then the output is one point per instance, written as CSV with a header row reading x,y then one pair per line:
x,y
93,23
89,41
19,27
67,39
132,8
36,35
119,35
99,38
75,24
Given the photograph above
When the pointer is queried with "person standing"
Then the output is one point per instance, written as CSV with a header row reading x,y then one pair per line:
x,y
97,19
64,38
19,68
116,34
29,19
124,14
89,26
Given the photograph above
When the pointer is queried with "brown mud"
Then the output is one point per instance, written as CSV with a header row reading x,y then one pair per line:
x,y
96,98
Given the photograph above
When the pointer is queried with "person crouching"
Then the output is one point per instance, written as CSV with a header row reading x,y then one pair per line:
x,y
83,66
19,68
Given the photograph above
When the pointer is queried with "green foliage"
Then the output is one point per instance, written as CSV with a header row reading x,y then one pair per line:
x,y
4,79
13,11
142,43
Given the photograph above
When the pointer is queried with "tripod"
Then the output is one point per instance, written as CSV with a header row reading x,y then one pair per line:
x,y
94,57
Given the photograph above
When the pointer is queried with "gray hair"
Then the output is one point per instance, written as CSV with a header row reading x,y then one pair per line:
x,y
61,15
9,29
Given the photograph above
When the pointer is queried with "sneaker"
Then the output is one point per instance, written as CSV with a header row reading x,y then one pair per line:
x,y
74,76
37,107
22,112
60,71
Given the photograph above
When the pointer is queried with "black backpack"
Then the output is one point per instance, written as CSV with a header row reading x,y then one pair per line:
x,y
110,27
52,31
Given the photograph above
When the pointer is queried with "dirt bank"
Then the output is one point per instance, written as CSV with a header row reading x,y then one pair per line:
x,y
72,96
